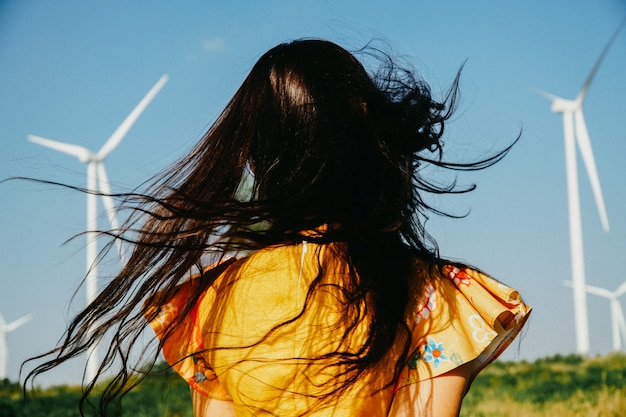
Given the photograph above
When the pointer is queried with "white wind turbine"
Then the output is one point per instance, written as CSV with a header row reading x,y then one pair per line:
x,y
4,350
575,132
618,323
98,185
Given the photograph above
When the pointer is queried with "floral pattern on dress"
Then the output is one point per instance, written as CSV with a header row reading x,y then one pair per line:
x,y
459,276
481,332
467,315
199,377
434,352
428,304
166,315
412,364
457,359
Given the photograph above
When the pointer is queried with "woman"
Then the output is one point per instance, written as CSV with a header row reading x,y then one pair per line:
x,y
342,306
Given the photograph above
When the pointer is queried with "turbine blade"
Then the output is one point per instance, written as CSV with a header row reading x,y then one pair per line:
x,y
621,289
17,323
109,205
598,291
584,144
83,154
121,131
594,70
545,94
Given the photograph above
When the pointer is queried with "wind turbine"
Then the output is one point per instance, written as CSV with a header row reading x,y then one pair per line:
x,y
4,350
575,133
98,184
618,323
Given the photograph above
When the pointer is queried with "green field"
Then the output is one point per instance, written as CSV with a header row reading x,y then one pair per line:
x,y
563,386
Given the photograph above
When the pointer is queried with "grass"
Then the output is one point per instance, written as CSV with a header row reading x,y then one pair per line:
x,y
564,386
561,386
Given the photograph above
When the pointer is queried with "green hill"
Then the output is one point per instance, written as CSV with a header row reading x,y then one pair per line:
x,y
564,386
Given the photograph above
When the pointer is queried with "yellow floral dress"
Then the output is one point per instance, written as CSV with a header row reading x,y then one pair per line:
x,y
250,340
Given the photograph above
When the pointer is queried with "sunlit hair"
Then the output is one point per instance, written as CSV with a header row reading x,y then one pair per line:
x,y
320,142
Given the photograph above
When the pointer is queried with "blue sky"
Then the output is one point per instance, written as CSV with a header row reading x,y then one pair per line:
x,y
72,71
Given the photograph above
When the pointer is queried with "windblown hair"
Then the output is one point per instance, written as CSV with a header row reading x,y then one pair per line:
x,y
321,142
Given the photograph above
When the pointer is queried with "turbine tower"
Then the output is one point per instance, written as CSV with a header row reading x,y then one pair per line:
x,y
98,184
575,133
4,350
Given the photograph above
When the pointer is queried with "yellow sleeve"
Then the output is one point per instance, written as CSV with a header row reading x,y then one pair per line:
x,y
462,317
184,349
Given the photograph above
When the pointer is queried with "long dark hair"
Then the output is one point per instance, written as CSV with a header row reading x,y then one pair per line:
x,y
323,143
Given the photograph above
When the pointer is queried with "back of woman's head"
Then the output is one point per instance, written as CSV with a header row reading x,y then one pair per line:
x,y
327,142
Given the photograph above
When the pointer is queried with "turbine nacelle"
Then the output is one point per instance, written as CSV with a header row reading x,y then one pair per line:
x,y
561,105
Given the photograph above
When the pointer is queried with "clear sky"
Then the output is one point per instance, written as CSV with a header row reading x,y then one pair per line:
x,y
72,70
